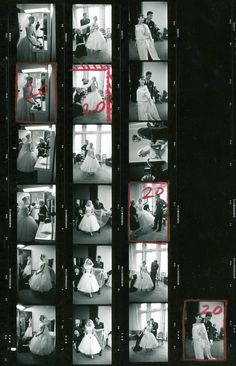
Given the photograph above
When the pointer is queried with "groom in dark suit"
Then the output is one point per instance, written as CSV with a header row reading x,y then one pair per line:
x,y
153,272
85,30
154,327
149,83
151,25
160,206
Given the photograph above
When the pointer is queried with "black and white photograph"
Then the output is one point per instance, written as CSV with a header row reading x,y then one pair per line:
x,y
148,332
148,90
36,334
36,213
92,33
36,97
92,207
36,160
148,30
92,154
148,212
92,274
148,151
37,32
36,274
92,94
204,330
148,272
92,335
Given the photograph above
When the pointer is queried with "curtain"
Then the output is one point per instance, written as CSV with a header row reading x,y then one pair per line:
x,y
134,317
132,257
104,313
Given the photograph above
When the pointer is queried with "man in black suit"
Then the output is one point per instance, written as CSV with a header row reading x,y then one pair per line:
x,y
154,327
151,25
84,148
85,30
134,224
98,205
160,206
78,334
153,272
149,83
99,275
209,328
99,329
76,277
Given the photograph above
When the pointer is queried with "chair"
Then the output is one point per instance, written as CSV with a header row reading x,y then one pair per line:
x,y
98,157
163,275
160,338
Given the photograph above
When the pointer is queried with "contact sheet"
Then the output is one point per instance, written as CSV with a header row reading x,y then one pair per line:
x,y
117,182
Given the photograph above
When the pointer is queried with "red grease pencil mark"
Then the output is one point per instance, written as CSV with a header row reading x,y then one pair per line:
x,y
107,104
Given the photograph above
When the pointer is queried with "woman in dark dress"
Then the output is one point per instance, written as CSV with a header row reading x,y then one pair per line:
x,y
80,45
134,224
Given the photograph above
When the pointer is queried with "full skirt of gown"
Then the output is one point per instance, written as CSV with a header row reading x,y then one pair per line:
x,y
96,41
89,224
148,341
25,50
147,111
89,345
144,282
26,161
27,270
42,345
23,110
90,165
26,228
41,282
28,333
93,99
88,283
145,219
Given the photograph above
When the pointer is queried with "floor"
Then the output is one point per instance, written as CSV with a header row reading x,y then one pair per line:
x,y
159,354
161,48
84,299
96,57
27,296
217,350
27,358
105,236
150,235
93,118
162,110
103,175
104,359
31,178
159,294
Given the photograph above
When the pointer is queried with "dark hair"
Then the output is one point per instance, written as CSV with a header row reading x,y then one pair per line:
x,y
78,97
97,317
209,314
148,73
139,16
99,256
149,12
198,314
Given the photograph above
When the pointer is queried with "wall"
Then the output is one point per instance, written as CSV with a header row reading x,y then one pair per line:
x,y
37,250
159,10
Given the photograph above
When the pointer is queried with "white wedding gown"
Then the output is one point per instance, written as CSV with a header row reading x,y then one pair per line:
x,y
26,226
89,344
147,110
88,282
43,344
95,41
89,222
26,159
27,269
41,280
26,45
90,164
148,340
145,219
143,281
93,98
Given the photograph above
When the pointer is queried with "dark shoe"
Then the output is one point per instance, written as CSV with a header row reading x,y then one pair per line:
x,y
99,231
99,292
100,353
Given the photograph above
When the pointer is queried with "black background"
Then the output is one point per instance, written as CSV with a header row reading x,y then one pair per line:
x,y
202,44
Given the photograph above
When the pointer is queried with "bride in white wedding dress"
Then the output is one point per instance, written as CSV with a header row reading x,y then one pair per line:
x,y
145,218
26,159
96,40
